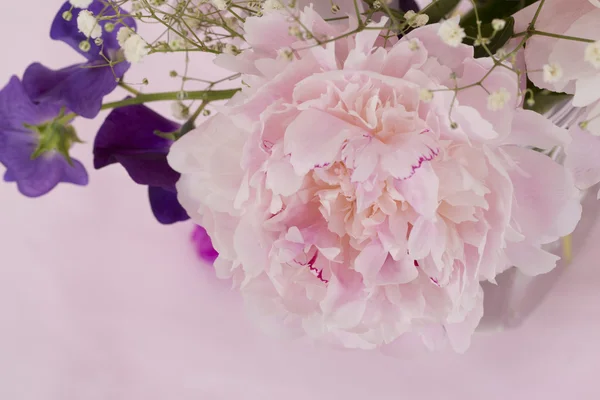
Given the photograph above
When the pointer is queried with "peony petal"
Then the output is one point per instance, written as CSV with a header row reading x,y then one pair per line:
x,y
546,200
314,139
530,259
532,129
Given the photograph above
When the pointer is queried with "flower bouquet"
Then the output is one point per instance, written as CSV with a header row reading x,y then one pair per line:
x,y
364,169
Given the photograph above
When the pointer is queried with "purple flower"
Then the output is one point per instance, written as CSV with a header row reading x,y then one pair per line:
x,y
128,137
203,245
81,87
32,137
408,5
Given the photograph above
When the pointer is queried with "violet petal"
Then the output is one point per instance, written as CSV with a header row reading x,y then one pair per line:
x,y
80,88
16,108
67,31
34,177
128,137
165,206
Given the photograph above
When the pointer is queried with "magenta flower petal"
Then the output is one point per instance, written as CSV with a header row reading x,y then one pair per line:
x,y
203,245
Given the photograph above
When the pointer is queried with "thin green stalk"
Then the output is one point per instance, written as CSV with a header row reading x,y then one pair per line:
x,y
205,95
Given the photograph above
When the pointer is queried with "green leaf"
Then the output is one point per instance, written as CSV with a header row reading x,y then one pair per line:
x,y
490,9
439,9
498,40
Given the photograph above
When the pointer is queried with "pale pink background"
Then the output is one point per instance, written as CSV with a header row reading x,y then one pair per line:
x,y
97,301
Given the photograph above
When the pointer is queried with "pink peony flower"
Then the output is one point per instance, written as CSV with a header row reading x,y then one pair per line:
x,y
582,153
346,205
578,75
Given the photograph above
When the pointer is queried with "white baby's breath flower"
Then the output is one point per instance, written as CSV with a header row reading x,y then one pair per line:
x,y
177,43
552,72
220,4
498,24
81,3
498,99
413,45
286,54
425,95
231,49
135,48
451,32
270,5
179,110
410,14
501,53
421,20
124,34
416,20
592,54
88,25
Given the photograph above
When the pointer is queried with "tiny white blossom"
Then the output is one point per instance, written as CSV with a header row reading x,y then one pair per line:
x,y
88,25
421,20
425,95
410,14
416,20
552,72
498,24
220,4
270,5
413,45
231,49
81,3
135,48
177,43
124,34
179,110
592,54
451,32
501,53
498,99
286,54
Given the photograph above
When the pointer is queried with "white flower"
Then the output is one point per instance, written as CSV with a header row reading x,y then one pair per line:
x,y
270,5
135,48
425,95
413,45
592,54
231,49
286,54
421,20
498,24
179,110
552,72
410,14
81,3
416,20
220,4
87,24
124,34
595,3
177,43
498,99
451,33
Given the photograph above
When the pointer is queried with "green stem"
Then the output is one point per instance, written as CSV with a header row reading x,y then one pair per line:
x,y
205,95
565,37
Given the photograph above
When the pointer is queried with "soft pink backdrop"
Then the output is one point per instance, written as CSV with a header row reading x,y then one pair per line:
x,y
97,301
